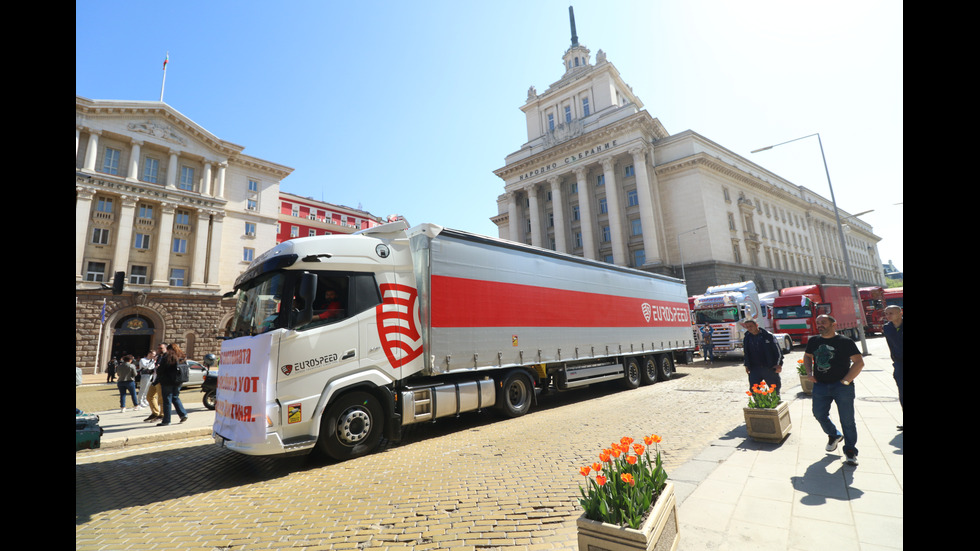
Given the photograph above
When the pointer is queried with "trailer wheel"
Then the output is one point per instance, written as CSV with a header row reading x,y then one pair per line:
x,y
649,374
666,367
351,426
787,345
514,394
631,374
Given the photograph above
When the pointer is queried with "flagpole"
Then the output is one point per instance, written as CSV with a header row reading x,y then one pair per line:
x,y
162,84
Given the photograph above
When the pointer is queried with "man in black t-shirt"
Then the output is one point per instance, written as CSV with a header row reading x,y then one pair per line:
x,y
832,362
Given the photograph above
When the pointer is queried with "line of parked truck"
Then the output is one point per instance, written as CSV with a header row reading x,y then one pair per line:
x,y
790,314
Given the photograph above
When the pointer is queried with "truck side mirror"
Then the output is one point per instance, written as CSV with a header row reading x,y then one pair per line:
x,y
307,291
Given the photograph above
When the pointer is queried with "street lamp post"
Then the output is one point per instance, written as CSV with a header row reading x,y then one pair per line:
x,y
843,243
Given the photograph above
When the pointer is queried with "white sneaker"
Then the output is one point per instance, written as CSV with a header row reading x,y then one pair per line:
x,y
122,410
833,441
850,460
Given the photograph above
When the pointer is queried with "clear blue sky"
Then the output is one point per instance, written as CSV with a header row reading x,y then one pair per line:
x,y
409,107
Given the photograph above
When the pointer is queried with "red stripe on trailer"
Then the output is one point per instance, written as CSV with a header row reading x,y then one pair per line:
x,y
460,302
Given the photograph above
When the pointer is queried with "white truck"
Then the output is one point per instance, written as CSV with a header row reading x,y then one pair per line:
x,y
340,340
723,307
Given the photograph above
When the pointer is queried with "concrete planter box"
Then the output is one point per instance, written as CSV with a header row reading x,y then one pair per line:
x,y
768,425
660,530
807,385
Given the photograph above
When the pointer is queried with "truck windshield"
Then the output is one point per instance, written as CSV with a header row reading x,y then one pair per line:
x,y
716,315
257,310
792,312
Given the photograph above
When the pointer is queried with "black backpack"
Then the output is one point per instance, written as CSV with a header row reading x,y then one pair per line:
x,y
184,372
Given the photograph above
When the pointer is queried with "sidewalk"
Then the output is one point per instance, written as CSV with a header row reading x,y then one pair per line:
x,y
128,428
741,494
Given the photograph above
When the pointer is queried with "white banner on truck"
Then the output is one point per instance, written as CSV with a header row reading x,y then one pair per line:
x,y
242,388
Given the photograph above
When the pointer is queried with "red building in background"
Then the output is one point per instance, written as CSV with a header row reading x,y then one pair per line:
x,y
306,217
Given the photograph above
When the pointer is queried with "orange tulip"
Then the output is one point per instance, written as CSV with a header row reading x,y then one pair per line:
x,y
600,479
627,478
597,467
604,457
584,471
631,459
626,440
648,440
638,449
656,438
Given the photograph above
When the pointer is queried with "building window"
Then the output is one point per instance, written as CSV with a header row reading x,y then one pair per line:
x,y
182,217
573,188
253,185
248,254
568,113
636,228
110,164
177,276
145,212
104,205
603,209
632,199
95,271
251,204
585,107
600,180
250,229
551,122
639,258
578,239
151,170
312,233
731,221
628,171
186,178
294,231
606,234
137,275
142,241
100,236
180,245
575,213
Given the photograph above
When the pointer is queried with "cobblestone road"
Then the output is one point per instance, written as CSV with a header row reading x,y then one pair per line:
x,y
473,483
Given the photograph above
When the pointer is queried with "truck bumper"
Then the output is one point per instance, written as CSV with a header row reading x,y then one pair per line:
x,y
273,445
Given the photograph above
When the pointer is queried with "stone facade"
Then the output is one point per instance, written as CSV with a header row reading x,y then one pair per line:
x,y
178,211
600,177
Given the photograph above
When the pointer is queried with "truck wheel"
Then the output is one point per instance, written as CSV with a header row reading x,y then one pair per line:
x,y
514,394
631,375
210,397
649,373
787,345
351,426
666,367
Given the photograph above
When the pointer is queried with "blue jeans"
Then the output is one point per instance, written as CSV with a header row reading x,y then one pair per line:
x,y
826,393
128,386
171,401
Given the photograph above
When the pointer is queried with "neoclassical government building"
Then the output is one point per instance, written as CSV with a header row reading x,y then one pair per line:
x,y
179,211
599,177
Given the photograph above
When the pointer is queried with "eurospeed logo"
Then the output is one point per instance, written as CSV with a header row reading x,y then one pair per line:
x,y
664,313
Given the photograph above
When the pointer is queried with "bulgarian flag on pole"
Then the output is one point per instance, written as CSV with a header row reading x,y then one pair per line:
x,y
165,60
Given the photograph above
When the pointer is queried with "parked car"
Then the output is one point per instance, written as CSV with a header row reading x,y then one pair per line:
x,y
197,373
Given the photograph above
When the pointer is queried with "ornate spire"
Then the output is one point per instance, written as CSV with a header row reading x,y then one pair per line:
x,y
571,18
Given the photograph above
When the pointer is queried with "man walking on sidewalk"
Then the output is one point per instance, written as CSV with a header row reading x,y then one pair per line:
x,y
894,332
832,362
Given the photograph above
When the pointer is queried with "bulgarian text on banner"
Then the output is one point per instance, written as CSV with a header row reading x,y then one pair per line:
x,y
242,387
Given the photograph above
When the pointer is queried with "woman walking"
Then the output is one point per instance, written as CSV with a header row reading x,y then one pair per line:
x,y
168,375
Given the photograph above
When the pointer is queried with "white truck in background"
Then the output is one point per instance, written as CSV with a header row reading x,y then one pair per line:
x,y
723,307
340,340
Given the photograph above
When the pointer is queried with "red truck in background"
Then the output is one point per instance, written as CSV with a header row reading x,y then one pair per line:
x,y
795,310
873,304
895,297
